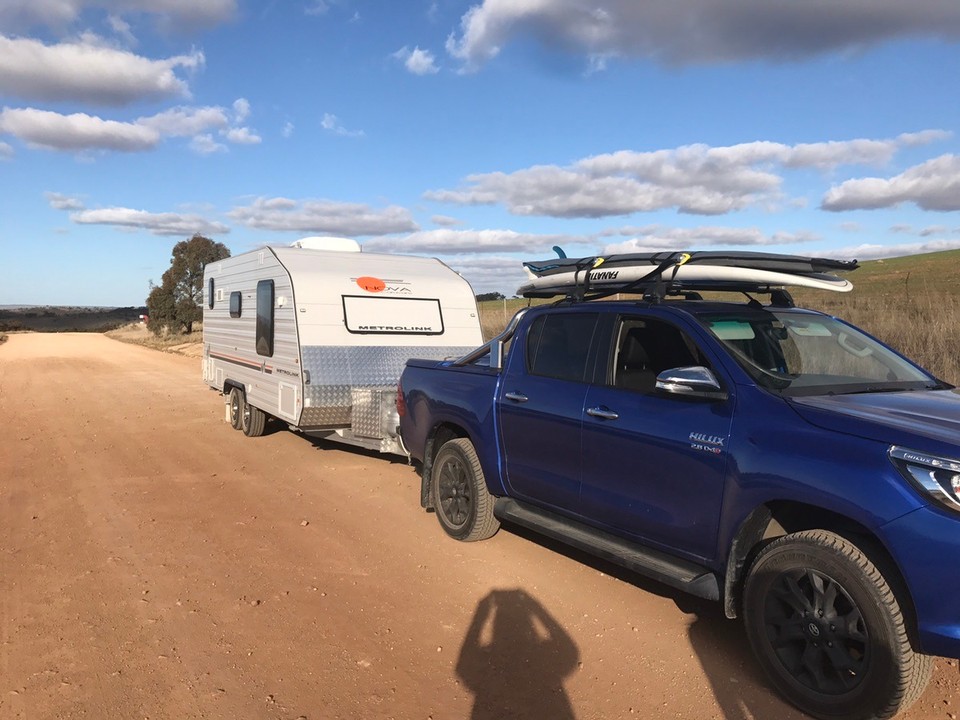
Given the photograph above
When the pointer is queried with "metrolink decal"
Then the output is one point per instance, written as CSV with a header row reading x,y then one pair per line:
x,y
395,328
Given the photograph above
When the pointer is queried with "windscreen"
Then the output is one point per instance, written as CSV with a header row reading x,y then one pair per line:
x,y
797,353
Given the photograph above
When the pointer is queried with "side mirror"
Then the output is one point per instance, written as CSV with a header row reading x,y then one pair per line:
x,y
692,382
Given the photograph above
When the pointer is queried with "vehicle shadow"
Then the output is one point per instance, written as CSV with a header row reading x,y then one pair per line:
x,y
325,444
514,659
719,644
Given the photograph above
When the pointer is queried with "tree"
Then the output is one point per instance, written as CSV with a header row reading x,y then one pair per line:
x,y
484,297
174,304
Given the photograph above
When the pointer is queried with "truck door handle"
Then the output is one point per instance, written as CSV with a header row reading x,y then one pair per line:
x,y
516,396
602,413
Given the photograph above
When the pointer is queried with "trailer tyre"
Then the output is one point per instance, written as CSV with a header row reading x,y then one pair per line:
x,y
463,505
254,420
829,631
237,404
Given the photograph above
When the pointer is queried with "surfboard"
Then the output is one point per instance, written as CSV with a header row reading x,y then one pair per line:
x,y
685,271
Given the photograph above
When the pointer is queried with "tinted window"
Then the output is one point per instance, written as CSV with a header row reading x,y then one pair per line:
x,y
265,318
210,294
645,348
236,302
558,345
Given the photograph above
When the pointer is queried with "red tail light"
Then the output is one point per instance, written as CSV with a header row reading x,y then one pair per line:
x,y
401,403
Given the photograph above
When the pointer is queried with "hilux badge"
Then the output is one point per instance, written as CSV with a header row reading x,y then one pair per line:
x,y
712,444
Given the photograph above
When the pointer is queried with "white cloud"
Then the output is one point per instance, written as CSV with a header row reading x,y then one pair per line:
x,y
696,179
6,151
122,29
288,129
490,273
58,201
703,31
445,221
242,136
317,7
79,132
155,223
932,185
206,145
417,61
60,14
241,110
185,121
471,241
331,123
655,237
323,217
86,71
53,131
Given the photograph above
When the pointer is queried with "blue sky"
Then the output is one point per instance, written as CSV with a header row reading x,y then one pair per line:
x,y
483,133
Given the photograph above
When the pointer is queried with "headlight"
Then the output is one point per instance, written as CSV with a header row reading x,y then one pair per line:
x,y
937,477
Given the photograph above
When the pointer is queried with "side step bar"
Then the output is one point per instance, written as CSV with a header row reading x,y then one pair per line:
x,y
689,577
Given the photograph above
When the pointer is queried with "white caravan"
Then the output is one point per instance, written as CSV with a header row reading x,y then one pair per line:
x,y
317,334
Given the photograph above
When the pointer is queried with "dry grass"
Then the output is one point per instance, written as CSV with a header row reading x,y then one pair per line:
x,y
922,326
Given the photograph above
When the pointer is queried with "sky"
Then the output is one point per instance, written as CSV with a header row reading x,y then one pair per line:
x,y
480,132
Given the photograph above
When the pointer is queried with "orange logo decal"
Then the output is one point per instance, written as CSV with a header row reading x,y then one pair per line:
x,y
371,284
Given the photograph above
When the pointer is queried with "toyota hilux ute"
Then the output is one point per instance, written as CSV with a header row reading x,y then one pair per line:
x,y
775,459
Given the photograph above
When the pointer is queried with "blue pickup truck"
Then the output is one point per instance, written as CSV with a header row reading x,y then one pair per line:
x,y
775,459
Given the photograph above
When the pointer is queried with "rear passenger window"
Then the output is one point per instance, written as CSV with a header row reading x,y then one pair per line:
x,y
265,318
558,345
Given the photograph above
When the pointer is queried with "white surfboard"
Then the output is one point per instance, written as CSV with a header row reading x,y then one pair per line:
x,y
691,276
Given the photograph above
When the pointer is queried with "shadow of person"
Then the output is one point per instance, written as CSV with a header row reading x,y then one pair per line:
x,y
514,659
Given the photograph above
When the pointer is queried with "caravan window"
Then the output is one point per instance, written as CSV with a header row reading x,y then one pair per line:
x,y
210,294
392,316
236,303
265,318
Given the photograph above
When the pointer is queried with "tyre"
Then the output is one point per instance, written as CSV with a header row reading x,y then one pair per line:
x,y
828,630
237,404
463,505
253,421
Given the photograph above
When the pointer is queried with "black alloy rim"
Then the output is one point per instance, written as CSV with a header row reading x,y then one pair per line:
x,y
454,492
817,632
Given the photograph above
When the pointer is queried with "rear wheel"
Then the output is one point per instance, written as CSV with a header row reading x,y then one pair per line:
x,y
463,505
829,631
253,421
236,408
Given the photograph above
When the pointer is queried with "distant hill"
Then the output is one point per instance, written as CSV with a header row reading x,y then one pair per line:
x,y
939,271
66,319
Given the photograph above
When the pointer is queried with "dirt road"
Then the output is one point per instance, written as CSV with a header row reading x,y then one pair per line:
x,y
154,563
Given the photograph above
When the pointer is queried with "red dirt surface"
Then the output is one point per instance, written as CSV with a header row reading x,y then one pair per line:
x,y
154,563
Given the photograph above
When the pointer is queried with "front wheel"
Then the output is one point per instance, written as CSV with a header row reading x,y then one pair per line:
x,y
829,631
464,507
